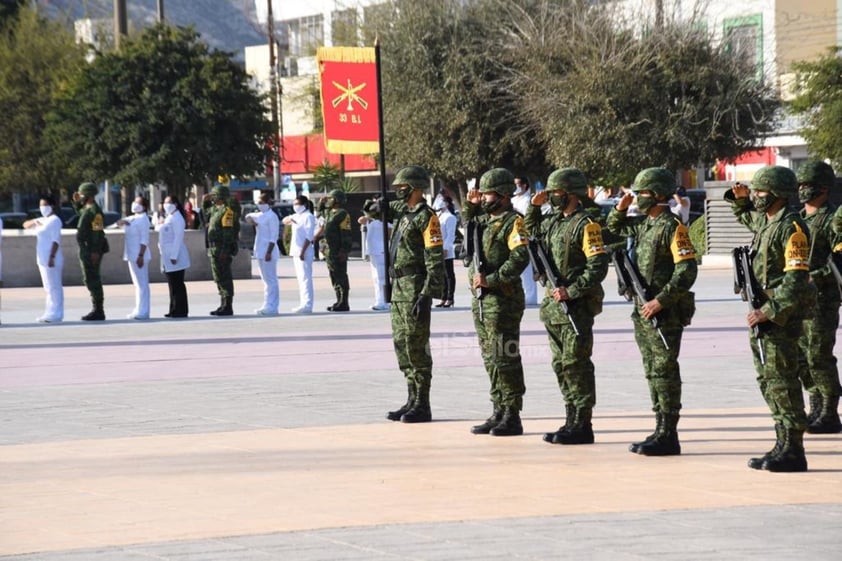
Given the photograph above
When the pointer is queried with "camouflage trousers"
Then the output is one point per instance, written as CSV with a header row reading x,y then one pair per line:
x,y
499,344
816,361
221,268
572,363
411,339
337,268
660,365
92,280
778,378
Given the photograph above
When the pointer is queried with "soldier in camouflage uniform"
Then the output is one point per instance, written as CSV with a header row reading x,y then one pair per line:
x,y
575,249
816,363
416,268
780,262
223,216
505,256
337,233
92,246
666,260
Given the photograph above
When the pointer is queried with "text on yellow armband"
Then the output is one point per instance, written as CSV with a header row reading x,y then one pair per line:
x,y
681,246
228,218
592,243
432,233
518,236
797,254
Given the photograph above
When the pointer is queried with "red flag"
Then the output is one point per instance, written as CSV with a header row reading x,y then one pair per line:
x,y
348,77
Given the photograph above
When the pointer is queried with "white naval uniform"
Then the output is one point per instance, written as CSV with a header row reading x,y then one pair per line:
x,y
377,261
48,232
530,286
267,226
303,229
137,235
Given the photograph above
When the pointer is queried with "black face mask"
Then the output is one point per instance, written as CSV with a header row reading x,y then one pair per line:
x,y
762,204
490,207
559,201
807,193
403,192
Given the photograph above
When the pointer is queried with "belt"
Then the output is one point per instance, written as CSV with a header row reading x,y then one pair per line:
x,y
398,272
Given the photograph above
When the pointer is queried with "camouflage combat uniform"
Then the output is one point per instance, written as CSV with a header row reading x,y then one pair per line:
x,y
337,235
90,234
223,239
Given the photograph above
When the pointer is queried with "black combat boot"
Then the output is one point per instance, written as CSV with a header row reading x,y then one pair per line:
x,y
569,413
96,313
665,442
780,436
791,457
580,432
828,420
490,422
815,407
509,425
410,399
220,308
659,426
420,410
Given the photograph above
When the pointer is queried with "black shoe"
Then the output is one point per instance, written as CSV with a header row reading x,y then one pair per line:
x,y
551,436
827,423
417,415
509,425
224,312
786,463
665,444
94,315
398,413
175,315
338,308
489,423
216,311
582,435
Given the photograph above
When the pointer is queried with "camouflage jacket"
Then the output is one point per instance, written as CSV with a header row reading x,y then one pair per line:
x,y
90,231
576,250
823,239
666,258
504,250
780,260
223,225
416,259
337,231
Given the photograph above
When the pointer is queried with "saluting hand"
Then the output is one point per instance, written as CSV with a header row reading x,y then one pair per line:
x,y
539,198
625,201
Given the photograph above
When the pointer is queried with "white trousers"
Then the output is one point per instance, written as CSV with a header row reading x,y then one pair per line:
x,y
530,287
140,280
51,279
304,274
378,277
269,275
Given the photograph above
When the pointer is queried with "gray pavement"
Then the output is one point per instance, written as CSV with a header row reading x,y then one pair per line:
x,y
130,379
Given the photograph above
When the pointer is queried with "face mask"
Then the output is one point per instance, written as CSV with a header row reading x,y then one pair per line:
x,y
559,200
762,204
490,207
403,192
46,210
262,207
807,193
169,208
137,208
298,209
645,204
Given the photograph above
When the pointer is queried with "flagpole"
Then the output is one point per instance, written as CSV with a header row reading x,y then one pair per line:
x,y
384,215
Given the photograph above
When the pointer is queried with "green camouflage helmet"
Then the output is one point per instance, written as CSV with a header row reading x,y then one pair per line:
x,y
660,181
338,196
88,190
415,176
569,180
221,192
817,173
778,180
497,180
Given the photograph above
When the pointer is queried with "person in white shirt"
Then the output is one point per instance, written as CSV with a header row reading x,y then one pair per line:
x,y
521,201
49,258
373,227
136,253
301,249
175,259
265,251
680,205
449,222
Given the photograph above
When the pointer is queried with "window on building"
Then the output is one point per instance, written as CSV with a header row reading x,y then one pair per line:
x,y
306,35
744,39
345,28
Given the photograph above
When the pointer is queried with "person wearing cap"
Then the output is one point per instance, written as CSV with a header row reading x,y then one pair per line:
x,y
92,246
266,252
416,268
576,251
816,363
666,261
497,316
223,216
336,232
780,262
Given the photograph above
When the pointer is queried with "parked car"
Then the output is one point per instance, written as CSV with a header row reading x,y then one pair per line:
x,y
247,231
13,220
69,218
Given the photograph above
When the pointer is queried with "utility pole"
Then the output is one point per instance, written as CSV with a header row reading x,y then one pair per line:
x,y
275,96
121,22
160,11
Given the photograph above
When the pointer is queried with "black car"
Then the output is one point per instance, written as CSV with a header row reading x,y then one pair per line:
x,y
70,219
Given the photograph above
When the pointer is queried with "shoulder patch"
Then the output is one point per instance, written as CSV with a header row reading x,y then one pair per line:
x,y
346,223
432,233
681,246
592,243
518,236
228,218
797,254
837,247
97,224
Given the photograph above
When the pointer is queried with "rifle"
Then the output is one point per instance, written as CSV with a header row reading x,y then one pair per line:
x,y
475,237
746,285
835,262
543,273
630,282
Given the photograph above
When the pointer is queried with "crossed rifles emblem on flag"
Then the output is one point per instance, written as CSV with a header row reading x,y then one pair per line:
x,y
349,94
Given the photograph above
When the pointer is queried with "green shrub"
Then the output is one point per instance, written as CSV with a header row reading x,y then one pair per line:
x,y
698,236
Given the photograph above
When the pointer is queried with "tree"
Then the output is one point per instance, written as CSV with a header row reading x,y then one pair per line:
x,y
37,58
165,109
9,10
819,99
